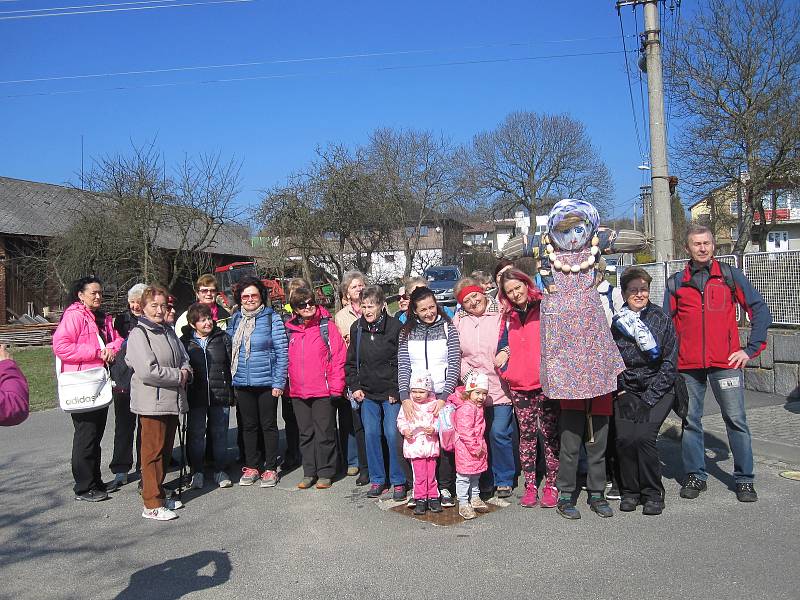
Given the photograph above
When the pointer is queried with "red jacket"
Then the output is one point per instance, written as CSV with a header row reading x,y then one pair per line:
x,y
312,374
703,309
521,372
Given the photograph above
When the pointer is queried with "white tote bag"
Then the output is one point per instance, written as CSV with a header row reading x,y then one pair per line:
x,y
82,391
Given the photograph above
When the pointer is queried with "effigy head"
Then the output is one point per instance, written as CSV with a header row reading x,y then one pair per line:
x,y
572,223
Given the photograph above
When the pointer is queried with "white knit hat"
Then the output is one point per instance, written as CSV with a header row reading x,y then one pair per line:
x,y
421,380
476,381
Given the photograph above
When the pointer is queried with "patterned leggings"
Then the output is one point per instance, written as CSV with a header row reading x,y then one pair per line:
x,y
536,413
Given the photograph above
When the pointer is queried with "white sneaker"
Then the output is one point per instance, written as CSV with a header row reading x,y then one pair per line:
x,y
159,514
172,504
197,481
222,480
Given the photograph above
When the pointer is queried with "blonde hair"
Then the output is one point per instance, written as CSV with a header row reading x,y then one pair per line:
x,y
348,278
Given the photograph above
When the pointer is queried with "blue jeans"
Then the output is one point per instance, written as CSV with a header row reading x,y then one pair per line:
x,y
196,436
380,420
500,426
728,388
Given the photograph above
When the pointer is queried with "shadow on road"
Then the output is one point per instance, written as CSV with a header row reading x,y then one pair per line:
x,y
716,452
180,576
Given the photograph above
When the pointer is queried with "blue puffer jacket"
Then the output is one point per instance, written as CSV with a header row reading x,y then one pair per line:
x,y
269,352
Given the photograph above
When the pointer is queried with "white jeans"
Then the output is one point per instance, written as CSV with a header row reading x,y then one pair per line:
x,y
466,486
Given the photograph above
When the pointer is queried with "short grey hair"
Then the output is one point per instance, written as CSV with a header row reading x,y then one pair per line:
x,y
697,229
374,293
135,293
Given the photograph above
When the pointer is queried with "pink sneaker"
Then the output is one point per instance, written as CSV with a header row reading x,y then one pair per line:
x,y
549,497
529,497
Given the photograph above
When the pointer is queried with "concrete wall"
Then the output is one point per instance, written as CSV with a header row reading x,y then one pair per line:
x,y
777,369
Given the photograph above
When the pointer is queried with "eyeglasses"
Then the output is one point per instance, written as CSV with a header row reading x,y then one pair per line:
x,y
405,297
306,304
246,297
207,291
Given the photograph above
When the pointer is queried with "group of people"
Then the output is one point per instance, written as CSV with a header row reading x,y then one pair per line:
x,y
452,404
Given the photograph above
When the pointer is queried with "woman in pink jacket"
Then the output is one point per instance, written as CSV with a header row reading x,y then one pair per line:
x,y
77,342
479,322
518,361
470,445
420,441
14,401
317,354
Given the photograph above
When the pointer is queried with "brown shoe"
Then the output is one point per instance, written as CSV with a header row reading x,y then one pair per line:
x,y
323,483
306,483
479,505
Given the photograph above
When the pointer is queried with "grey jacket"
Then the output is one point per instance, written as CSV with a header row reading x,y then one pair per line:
x,y
156,359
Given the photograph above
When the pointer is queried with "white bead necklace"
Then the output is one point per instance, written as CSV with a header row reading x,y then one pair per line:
x,y
584,265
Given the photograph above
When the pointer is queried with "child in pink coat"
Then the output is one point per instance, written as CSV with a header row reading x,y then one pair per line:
x,y
421,442
470,443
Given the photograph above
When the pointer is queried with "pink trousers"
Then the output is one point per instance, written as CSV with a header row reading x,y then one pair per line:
x,y
425,486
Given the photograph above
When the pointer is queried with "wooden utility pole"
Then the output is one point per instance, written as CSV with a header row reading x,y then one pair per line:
x,y
662,213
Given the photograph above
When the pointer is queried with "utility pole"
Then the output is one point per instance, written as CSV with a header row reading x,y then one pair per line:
x,y
662,210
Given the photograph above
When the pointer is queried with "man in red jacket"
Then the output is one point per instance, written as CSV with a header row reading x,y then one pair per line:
x,y
702,301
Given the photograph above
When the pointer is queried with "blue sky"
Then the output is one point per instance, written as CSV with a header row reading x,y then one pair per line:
x,y
274,122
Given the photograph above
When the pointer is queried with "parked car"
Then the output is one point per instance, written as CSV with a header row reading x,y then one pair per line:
x,y
442,280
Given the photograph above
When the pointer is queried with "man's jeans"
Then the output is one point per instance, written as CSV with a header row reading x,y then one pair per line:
x,y
728,388
500,426
380,419
196,436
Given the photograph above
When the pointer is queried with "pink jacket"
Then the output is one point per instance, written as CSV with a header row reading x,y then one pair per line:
x,y
13,394
424,445
470,426
522,371
75,339
478,337
311,373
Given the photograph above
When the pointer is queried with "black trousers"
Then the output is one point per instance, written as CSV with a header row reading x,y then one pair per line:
x,y
89,429
258,409
291,431
316,423
573,427
637,454
446,470
349,423
124,428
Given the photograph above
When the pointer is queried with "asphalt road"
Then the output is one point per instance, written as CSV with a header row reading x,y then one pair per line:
x,y
286,543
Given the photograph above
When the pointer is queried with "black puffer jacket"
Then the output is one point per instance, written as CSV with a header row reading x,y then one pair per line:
x,y
211,367
125,322
376,373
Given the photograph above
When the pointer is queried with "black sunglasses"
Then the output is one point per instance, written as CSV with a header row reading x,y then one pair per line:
x,y
306,304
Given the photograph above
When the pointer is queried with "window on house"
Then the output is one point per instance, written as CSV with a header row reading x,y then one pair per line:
x,y
330,236
389,258
423,231
734,207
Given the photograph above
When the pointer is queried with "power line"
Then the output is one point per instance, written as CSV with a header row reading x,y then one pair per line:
x,y
107,10
630,86
81,6
320,73
294,60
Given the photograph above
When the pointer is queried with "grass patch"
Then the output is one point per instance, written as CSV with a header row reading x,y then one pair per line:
x,y
38,365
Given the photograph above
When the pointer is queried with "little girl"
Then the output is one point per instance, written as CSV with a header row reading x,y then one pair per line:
x,y
470,444
421,442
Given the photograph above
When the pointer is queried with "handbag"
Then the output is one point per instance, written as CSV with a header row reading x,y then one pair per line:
x,y
84,391
681,402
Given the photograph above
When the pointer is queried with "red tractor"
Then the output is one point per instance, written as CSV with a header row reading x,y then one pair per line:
x,y
229,275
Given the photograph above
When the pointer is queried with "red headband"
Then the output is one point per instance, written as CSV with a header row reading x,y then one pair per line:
x,y
467,291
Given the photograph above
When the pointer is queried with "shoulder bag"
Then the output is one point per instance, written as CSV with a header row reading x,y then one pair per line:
x,y
83,391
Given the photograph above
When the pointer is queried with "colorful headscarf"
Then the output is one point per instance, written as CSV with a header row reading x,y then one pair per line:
x,y
567,207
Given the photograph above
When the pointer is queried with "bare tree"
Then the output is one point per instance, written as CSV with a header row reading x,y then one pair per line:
x,y
735,77
532,160
417,173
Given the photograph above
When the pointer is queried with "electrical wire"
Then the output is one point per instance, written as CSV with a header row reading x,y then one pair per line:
x,y
320,73
630,86
82,6
108,10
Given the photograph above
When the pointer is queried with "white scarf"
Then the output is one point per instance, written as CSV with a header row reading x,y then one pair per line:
x,y
631,325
